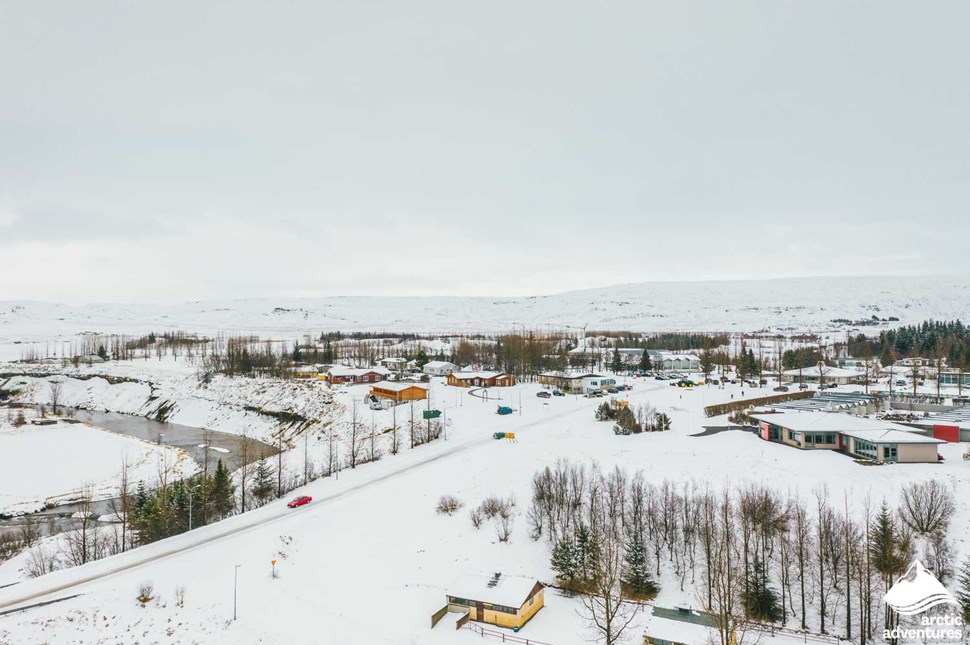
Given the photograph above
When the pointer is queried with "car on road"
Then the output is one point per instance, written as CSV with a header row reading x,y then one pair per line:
x,y
300,501
558,393
803,386
543,395
781,388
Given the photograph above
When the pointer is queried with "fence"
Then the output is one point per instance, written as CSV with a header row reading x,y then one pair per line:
x,y
742,404
505,638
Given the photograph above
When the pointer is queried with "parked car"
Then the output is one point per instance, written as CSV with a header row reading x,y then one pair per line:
x,y
803,386
558,393
544,395
613,390
781,388
900,383
830,385
659,378
300,501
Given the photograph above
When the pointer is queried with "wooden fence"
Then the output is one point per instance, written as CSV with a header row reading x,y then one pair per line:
x,y
742,404
505,638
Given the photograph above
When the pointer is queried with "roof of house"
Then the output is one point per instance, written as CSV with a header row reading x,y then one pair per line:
x,y
847,424
433,364
471,375
572,375
509,591
830,372
343,370
398,386
890,436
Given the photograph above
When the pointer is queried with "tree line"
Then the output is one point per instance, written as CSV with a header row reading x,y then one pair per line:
x,y
753,555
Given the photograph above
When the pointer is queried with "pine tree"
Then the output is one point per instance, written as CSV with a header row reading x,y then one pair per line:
x,y
617,364
102,352
587,553
963,591
421,358
223,490
564,562
141,496
263,483
760,600
645,364
636,580
297,353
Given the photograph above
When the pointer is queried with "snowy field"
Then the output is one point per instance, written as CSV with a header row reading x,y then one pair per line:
x,y
369,560
54,464
807,304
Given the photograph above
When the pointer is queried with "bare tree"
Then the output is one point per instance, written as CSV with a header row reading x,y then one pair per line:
x,y
926,507
245,452
56,389
607,610
355,439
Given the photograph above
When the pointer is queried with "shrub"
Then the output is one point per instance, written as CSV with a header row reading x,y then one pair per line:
x,y
145,591
448,505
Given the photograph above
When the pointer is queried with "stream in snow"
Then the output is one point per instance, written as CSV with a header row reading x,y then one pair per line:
x,y
222,445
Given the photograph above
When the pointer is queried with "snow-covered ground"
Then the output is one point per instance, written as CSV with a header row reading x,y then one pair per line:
x,y
44,465
804,304
369,560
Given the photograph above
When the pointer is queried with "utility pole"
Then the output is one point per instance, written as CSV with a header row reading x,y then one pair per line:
x,y
235,584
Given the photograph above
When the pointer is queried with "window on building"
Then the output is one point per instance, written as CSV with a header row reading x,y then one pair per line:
x,y
890,453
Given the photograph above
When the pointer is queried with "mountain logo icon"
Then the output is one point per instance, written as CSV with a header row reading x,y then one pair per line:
x,y
917,591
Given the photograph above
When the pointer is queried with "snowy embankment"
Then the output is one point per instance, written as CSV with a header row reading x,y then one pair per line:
x,y
257,408
60,463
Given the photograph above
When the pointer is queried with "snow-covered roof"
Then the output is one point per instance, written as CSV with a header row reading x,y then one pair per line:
x,y
397,386
471,375
830,372
677,631
821,421
890,436
343,370
434,364
572,375
509,591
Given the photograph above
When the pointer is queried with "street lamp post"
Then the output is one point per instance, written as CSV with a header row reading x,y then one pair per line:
x,y
235,584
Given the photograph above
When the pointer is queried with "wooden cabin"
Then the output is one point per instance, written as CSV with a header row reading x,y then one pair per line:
x,y
506,601
399,392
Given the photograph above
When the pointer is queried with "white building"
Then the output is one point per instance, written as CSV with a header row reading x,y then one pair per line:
x,y
439,368
825,374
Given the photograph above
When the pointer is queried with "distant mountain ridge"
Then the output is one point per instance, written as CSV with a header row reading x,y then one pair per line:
x,y
787,305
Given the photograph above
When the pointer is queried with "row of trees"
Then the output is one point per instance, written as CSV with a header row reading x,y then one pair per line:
x,y
752,554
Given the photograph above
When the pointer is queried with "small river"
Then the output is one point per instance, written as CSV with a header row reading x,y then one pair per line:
x,y
223,445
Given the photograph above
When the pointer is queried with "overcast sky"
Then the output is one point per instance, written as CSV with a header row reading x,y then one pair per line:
x,y
170,151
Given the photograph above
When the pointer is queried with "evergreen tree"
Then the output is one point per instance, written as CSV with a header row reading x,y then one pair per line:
x,y
636,580
890,547
645,364
661,422
223,490
297,353
421,358
963,591
587,553
760,600
707,363
564,562
102,352
141,496
263,484
616,364
328,354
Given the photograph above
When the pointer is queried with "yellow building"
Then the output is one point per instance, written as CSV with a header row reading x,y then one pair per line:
x,y
506,601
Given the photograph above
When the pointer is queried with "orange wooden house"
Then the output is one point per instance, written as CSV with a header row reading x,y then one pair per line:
x,y
481,379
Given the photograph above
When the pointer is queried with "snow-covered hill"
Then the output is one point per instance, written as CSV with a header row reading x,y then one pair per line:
x,y
787,304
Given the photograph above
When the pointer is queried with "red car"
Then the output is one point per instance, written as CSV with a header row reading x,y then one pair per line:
x,y
300,501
